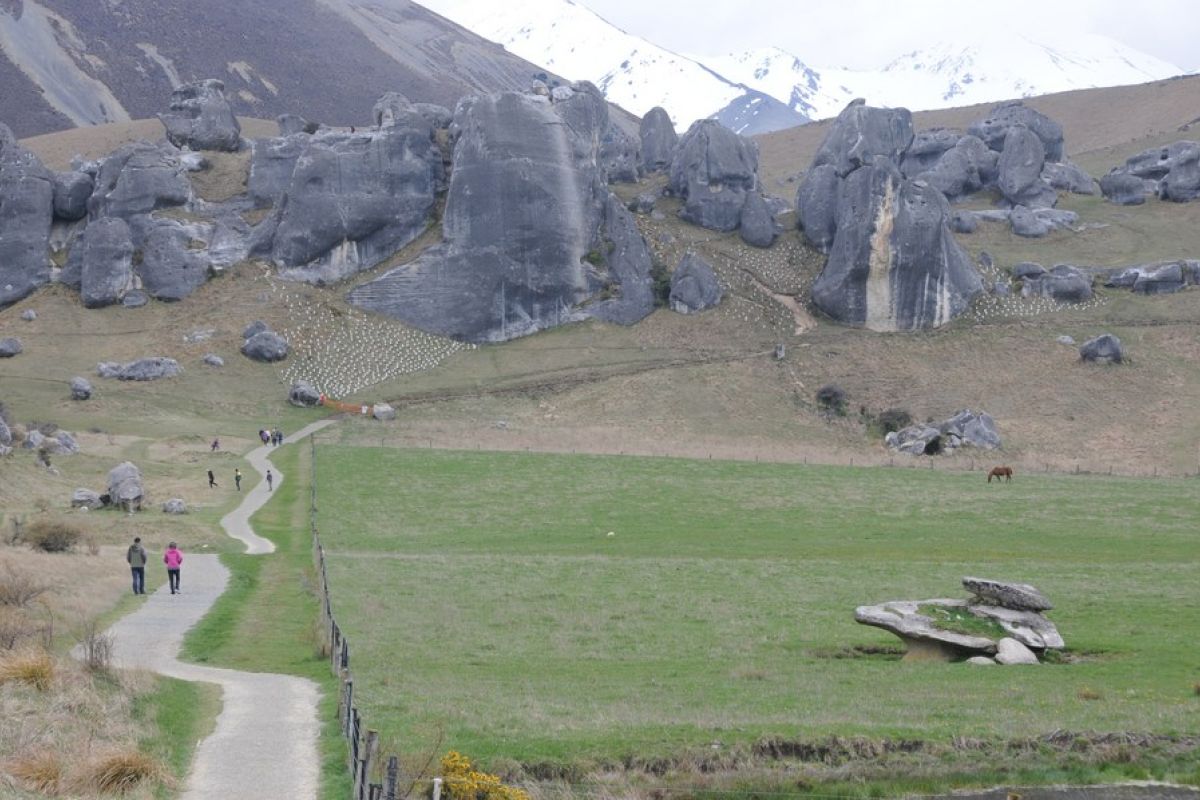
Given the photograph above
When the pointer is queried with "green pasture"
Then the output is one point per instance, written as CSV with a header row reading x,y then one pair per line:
x,y
490,610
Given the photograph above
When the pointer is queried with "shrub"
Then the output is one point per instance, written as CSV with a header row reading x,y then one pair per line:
x,y
661,277
122,771
19,589
96,646
831,399
52,536
893,419
32,667
15,628
40,771
465,783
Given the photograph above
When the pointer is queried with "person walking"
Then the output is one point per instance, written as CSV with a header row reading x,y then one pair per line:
x,y
216,444
173,558
270,481
212,479
136,556
237,478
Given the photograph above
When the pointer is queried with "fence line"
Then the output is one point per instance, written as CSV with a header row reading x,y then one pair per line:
x,y
363,742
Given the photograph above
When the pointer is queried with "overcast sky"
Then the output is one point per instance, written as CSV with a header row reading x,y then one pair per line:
x,y
869,33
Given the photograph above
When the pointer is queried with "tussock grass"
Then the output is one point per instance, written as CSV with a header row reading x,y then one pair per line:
x,y
122,771
40,771
32,667
19,588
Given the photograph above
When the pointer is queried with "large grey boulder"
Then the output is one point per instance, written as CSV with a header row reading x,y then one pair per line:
x,y
272,163
1069,177
125,486
927,148
1182,183
1027,269
658,140
1158,162
254,328
965,168
694,286
174,506
10,346
915,440
1063,283
1020,170
758,227
1010,651
995,127
620,156
173,265
964,221
81,388
974,428
1105,348
713,172
86,498
139,178
267,346
1164,277
1123,188
531,236
143,369
894,265
861,133
201,118
383,412
107,257
817,206
1006,594
26,213
352,200
72,190
304,394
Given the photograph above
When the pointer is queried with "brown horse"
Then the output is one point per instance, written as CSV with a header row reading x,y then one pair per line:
x,y
1000,472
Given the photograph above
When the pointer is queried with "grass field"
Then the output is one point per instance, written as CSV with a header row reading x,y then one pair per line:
x,y
486,602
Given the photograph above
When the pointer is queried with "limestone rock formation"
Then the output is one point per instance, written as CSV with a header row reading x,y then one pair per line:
x,y
172,265
1037,222
694,286
861,133
713,171
272,162
10,346
659,140
1163,277
304,394
620,156
1011,651
383,412
758,226
927,148
86,498
1069,177
72,190
139,178
1063,283
81,388
125,486
964,428
135,298
267,346
1105,348
1125,189
965,168
254,328
1018,596
143,369
817,206
531,236
1020,170
995,127
26,213
174,506
924,640
200,117
107,262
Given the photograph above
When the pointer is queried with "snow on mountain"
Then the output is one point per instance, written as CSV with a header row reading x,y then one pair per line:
x,y
768,88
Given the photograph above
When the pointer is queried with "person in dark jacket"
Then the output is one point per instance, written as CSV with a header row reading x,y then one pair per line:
x,y
136,556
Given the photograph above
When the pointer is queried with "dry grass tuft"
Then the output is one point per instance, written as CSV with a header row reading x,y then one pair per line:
x,y
17,627
123,771
40,771
32,667
1089,694
19,588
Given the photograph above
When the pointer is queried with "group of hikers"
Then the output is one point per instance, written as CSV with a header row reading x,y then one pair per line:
x,y
237,480
137,558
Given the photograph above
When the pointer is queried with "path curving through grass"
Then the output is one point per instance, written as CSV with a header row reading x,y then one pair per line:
x,y
264,746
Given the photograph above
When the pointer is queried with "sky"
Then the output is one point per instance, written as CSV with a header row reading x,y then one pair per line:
x,y
867,34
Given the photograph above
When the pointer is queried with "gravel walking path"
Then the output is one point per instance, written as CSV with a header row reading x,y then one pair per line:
x,y
265,743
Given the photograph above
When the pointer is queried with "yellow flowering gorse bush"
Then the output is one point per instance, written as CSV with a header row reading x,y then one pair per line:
x,y
465,783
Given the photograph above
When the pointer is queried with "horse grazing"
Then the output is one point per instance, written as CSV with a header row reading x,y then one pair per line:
x,y
1000,472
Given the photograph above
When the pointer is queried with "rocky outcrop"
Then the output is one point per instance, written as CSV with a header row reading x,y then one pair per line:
x,y
927,148
1171,172
1020,170
139,178
862,133
10,346
694,286
26,213
620,156
1063,283
758,227
107,263
81,388
267,347
1162,277
1069,177
965,428
175,260
272,163
72,190
125,488
304,394
531,236
199,117
1000,121
967,167
817,206
659,140
1104,349
998,621
86,498
1037,222
893,265
713,172
143,369
1125,189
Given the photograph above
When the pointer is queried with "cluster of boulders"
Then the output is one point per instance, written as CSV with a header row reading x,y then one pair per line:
x,y
966,428
1171,172
1062,283
260,343
125,490
142,369
1160,277
45,440
1002,623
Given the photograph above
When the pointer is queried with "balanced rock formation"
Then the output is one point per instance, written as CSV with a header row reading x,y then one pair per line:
x,y
125,488
532,238
713,172
1104,349
659,140
694,286
201,118
998,621
965,428
26,213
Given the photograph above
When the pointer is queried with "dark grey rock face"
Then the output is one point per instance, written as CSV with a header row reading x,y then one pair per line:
x,y
995,127
139,178
81,388
713,172
1182,183
1123,188
620,156
26,212
758,227
1105,348
1163,277
1020,170
694,286
965,168
353,199
255,328
267,346
964,222
390,109
894,264
10,346
291,123
531,236
72,190
143,369
1028,269
171,269
658,140
1158,162
977,429
927,148
1063,283
861,133
1069,177
200,117
125,486
304,394
817,206
272,163
107,254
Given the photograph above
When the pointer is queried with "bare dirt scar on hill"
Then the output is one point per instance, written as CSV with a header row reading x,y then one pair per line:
x,y
265,743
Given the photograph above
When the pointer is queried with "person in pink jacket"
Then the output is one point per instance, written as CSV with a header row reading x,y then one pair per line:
x,y
173,558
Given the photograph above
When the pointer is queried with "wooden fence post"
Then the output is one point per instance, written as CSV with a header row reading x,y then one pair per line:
x,y
391,778
368,758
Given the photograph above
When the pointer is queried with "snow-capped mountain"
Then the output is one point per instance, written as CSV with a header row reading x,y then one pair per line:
x,y
755,91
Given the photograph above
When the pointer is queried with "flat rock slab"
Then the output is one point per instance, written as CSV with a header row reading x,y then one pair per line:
x,y
1019,596
1028,627
924,639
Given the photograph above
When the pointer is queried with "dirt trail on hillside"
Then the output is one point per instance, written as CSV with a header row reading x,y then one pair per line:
x,y
265,743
